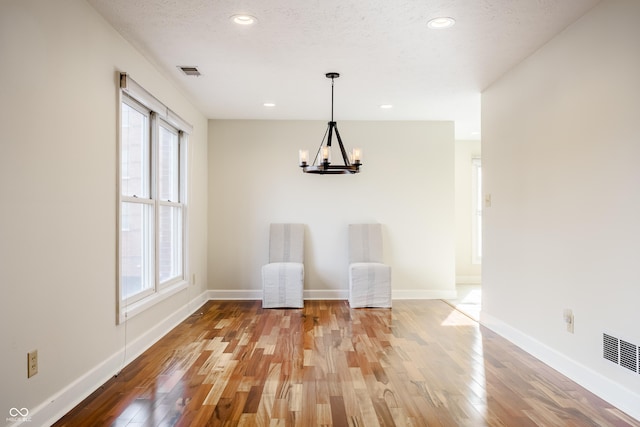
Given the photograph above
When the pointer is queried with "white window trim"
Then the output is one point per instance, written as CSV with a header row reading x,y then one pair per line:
x,y
130,307
140,94
476,211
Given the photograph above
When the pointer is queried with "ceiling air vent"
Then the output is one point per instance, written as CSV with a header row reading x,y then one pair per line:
x,y
190,71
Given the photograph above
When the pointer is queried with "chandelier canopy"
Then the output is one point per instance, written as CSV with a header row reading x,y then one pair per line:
x,y
322,160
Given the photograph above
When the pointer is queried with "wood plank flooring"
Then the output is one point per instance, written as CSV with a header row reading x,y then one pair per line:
x,y
421,363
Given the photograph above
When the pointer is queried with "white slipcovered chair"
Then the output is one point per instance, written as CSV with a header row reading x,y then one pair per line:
x,y
369,277
283,277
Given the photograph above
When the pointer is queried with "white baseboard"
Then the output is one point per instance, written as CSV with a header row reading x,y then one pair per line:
x,y
256,294
468,280
66,399
234,294
424,294
330,294
621,397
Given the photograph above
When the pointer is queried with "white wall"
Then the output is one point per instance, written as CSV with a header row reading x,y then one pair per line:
x,y
58,191
406,183
561,146
466,271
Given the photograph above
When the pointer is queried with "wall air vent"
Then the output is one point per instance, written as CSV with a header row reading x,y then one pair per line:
x,y
629,355
621,352
190,71
610,348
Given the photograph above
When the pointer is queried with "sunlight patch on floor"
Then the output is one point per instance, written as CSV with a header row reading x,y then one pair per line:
x,y
469,300
456,318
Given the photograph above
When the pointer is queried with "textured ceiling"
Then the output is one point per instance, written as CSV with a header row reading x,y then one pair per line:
x,y
382,48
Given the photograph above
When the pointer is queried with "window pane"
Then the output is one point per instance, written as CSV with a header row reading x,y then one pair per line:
x,y
134,157
170,239
169,165
136,243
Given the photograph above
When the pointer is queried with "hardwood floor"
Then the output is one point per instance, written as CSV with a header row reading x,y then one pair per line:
x,y
420,364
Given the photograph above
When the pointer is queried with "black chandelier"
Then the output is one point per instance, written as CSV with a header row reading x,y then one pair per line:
x,y
322,161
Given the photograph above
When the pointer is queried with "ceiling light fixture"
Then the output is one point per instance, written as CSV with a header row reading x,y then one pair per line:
x,y
269,104
386,106
322,161
441,23
244,19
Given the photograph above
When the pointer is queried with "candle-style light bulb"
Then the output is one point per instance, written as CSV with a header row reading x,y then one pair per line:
x,y
326,155
356,156
303,157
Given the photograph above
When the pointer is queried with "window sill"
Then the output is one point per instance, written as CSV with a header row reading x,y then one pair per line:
x,y
127,311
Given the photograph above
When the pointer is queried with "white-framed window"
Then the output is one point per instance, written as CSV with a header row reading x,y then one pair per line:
x,y
476,214
152,195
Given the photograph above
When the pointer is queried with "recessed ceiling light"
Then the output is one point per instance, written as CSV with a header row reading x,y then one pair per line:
x,y
244,19
269,104
441,22
386,106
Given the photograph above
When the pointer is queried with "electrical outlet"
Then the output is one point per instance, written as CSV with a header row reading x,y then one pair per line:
x,y
487,200
568,319
193,279
32,363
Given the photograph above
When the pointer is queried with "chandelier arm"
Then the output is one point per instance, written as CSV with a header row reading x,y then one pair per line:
x,y
345,157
